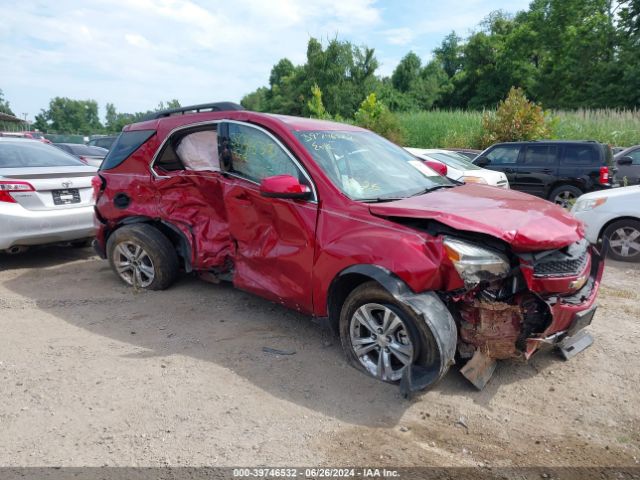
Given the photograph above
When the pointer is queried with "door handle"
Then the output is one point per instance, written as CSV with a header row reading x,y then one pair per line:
x,y
547,170
509,170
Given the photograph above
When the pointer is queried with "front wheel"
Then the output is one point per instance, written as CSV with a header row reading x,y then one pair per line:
x,y
382,337
142,257
623,240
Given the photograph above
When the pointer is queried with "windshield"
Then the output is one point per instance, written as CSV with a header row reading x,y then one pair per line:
x,y
367,167
29,153
454,160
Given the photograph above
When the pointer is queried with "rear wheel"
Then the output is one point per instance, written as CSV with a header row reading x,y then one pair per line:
x,y
141,256
380,336
565,195
623,240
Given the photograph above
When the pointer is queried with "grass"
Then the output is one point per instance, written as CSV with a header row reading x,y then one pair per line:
x,y
459,128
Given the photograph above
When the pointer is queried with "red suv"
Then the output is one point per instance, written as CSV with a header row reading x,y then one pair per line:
x,y
337,222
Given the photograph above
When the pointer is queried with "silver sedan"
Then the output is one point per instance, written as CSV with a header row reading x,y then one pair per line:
x,y
46,196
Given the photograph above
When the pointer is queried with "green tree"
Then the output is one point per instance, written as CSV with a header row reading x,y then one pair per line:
x,y
515,119
315,105
4,105
343,73
375,116
407,73
66,115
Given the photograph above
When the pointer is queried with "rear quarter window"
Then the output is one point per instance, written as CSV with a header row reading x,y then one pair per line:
x,y
126,143
580,155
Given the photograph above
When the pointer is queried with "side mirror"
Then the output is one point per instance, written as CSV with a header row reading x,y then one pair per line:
x,y
284,186
481,161
625,161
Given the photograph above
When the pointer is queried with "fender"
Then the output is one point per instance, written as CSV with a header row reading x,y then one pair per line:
x,y
426,305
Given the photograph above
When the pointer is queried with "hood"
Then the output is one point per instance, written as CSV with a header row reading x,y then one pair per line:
x,y
527,223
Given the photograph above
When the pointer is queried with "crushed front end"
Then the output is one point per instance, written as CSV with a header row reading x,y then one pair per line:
x,y
514,304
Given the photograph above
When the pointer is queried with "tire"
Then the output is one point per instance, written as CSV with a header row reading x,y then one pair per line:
x,y
622,239
142,257
411,332
565,195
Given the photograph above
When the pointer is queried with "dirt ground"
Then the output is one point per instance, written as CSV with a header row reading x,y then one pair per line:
x,y
92,374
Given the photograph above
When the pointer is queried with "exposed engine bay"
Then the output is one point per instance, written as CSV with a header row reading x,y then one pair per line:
x,y
511,315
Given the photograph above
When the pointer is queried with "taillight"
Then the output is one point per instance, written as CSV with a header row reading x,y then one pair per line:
x,y
97,183
83,160
441,168
604,176
8,187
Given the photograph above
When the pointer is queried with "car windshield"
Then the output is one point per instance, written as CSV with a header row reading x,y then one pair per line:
x,y
453,160
27,153
366,167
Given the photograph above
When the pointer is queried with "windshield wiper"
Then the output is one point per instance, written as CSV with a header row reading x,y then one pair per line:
x,y
431,189
379,199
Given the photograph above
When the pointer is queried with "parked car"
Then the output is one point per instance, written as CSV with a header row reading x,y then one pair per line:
x,y
45,196
559,171
88,155
612,219
26,134
459,168
336,222
470,153
103,142
628,163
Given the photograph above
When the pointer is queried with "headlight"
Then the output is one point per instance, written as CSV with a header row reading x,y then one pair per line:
x,y
473,180
588,204
475,264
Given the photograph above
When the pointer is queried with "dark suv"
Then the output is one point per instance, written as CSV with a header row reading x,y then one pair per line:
x,y
559,171
337,222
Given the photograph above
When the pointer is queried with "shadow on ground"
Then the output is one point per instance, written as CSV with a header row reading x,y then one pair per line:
x,y
230,328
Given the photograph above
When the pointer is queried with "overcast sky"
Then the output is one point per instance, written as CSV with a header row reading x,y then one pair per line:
x,y
134,53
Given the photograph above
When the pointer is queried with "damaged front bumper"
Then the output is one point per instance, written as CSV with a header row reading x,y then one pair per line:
x,y
544,310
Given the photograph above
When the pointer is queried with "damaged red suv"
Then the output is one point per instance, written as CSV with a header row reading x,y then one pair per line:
x,y
332,220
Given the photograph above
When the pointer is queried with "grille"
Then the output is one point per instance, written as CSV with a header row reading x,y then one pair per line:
x,y
565,266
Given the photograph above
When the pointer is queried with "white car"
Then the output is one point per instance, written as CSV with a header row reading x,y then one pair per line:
x,y
613,218
460,168
46,196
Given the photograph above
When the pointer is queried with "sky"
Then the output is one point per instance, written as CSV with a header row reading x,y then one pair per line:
x,y
136,53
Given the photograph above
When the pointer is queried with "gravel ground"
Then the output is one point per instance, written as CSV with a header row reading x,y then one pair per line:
x,y
92,374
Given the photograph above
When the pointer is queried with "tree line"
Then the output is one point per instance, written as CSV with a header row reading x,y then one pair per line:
x,y
563,54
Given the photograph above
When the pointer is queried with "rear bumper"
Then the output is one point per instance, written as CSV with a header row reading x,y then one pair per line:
x,y
37,227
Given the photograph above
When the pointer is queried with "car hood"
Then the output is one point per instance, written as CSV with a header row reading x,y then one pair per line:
x,y
527,223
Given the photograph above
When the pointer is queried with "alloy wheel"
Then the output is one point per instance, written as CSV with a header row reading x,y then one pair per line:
x,y
565,199
625,241
381,341
134,265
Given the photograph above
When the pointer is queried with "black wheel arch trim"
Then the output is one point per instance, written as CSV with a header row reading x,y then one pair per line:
x,y
426,305
183,245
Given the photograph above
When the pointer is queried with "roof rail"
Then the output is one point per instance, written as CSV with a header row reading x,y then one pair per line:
x,y
205,107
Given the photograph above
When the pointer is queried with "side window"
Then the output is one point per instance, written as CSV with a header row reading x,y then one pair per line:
x,y
199,151
540,156
636,156
194,151
504,155
255,155
579,155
